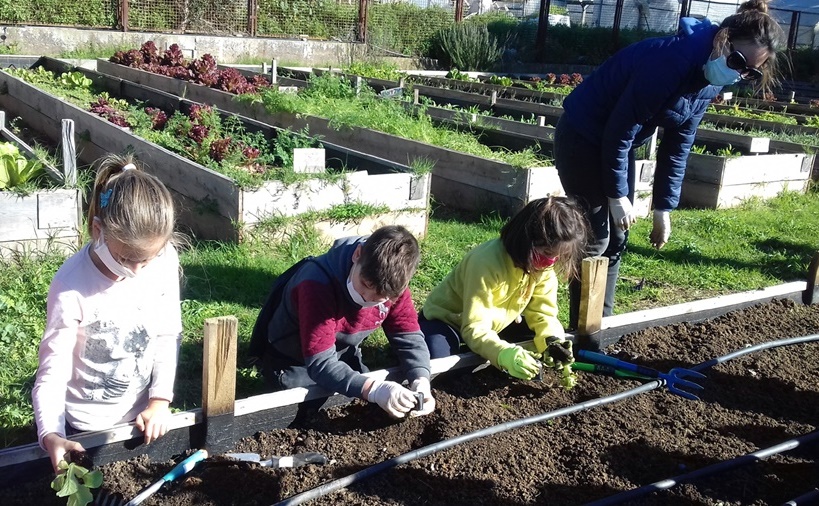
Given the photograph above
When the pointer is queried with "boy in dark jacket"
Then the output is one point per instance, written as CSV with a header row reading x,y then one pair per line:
x,y
313,324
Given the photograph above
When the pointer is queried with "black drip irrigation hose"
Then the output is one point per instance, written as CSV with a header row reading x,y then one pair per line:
x,y
719,467
811,497
346,481
728,464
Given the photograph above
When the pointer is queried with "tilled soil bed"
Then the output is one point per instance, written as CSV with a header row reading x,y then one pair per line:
x,y
749,403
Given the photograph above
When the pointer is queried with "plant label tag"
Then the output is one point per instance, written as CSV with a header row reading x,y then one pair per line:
x,y
308,160
288,89
727,95
392,93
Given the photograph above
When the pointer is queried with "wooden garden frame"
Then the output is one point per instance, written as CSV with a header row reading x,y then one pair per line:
x,y
211,204
224,419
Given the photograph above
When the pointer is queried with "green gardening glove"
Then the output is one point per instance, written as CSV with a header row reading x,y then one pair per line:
x,y
519,363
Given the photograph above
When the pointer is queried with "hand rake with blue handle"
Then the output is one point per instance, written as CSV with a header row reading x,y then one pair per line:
x,y
184,467
673,378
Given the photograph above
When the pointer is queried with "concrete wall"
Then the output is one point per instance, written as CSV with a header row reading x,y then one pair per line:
x,y
51,41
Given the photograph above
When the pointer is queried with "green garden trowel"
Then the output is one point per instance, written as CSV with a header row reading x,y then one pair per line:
x,y
297,460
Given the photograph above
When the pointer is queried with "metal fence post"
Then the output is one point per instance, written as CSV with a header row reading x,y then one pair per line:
x,y
685,8
615,27
362,21
542,25
123,15
459,11
252,17
793,33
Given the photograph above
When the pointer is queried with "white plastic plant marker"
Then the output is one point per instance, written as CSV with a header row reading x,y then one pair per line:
x,y
309,160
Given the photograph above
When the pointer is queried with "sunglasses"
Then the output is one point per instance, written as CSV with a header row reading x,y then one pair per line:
x,y
737,61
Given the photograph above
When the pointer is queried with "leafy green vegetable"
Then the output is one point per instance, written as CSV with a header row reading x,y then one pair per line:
x,y
73,80
568,378
15,169
76,483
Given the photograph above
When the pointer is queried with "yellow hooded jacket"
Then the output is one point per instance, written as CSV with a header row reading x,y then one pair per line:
x,y
485,293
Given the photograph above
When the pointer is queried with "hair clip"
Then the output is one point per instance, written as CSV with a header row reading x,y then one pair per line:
x,y
105,197
129,166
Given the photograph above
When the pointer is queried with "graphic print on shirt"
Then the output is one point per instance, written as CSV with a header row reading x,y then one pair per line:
x,y
114,359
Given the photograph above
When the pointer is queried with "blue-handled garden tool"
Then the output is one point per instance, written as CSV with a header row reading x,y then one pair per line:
x,y
184,467
673,378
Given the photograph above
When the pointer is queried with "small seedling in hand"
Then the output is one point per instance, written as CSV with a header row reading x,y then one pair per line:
x,y
568,378
76,481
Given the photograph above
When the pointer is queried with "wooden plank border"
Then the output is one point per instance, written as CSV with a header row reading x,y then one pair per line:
x,y
280,409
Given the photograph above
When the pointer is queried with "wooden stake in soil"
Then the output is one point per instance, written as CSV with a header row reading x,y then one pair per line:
x,y
592,294
69,152
219,382
811,294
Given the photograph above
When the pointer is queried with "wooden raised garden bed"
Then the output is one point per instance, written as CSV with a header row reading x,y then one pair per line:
x,y
226,420
47,219
717,182
212,205
460,180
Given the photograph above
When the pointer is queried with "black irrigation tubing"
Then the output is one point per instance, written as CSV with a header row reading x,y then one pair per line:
x,y
805,499
727,464
340,483
346,481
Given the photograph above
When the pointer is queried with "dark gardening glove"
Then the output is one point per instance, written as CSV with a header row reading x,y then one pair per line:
x,y
558,352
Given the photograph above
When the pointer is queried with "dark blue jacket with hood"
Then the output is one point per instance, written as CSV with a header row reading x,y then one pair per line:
x,y
653,83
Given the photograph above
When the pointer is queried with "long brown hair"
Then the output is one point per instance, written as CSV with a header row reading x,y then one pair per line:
x,y
752,23
132,206
556,225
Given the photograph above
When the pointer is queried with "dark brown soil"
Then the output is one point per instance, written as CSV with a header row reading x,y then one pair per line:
x,y
749,403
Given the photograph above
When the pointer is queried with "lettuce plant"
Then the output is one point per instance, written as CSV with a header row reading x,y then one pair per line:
x,y
76,483
15,169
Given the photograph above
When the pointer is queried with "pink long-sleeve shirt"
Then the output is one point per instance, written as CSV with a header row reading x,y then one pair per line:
x,y
108,346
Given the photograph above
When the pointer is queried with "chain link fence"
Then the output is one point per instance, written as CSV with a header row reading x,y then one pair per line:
x,y
399,27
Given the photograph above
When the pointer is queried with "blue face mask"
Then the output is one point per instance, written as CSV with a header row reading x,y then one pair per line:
x,y
719,74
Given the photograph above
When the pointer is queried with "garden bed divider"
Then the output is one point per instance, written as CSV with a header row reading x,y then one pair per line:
x,y
219,423
212,205
716,182
750,123
800,119
458,179
474,87
44,219
776,106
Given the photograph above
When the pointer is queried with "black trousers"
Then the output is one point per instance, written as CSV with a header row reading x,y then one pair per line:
x,y
578,165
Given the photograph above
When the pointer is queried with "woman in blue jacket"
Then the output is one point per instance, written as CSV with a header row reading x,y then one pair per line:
x,y
663,82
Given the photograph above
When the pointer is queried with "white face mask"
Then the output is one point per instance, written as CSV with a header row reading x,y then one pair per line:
x,y
104,254
357,297
719,74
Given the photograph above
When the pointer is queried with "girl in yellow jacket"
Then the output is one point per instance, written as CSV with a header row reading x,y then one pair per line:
x,y
508,287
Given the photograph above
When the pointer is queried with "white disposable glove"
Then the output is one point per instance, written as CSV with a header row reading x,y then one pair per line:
x,y
623,212
661,230
392,398
422,385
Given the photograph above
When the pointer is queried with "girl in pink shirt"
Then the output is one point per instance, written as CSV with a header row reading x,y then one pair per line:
x,y
109,351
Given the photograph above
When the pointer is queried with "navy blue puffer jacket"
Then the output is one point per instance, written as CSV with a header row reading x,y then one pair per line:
x,y
653,83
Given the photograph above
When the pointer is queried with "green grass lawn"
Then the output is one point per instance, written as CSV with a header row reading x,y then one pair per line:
x,y
710,253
